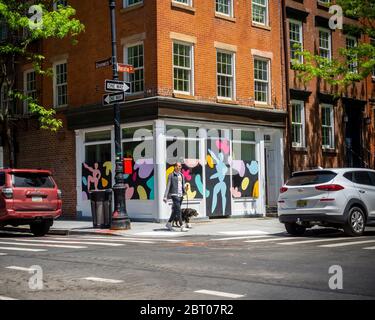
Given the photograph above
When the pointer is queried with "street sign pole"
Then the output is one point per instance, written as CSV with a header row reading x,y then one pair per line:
x,y
120,218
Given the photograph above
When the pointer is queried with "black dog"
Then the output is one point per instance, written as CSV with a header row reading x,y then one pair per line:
x,y
186,215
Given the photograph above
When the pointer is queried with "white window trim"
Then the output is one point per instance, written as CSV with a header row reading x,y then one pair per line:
x,y
268,102
231,10
126,75
300,24
355,65
55,83
127,5
332,119
302,144
329,41
267,20
233,98
25,92
188,4
192,84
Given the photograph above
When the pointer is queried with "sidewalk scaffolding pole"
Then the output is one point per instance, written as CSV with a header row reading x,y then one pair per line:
x,y
120,218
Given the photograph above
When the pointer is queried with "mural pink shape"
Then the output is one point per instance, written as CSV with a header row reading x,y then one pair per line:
x,y
145,166
96,175
191,163
129,192
223,146
186,174
235,192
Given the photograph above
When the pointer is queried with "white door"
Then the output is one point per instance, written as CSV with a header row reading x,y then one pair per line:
x,y
271,178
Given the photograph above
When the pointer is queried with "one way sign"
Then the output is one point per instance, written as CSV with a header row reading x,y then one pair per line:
x,y
113,98
116,86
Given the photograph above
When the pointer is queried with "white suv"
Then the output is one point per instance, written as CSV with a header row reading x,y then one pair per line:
x,y
341,198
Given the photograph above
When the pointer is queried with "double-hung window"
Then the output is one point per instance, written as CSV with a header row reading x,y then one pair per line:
x,y
129,3
295,38
60,84
186,2
351,42
261,80
183,68
260,12
325,43
29,87
134,55
225,7
328,133
225,74
298,123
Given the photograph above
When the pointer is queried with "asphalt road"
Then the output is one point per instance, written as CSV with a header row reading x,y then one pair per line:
x,y
274,266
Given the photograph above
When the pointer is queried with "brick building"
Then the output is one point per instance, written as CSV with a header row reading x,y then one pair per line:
x,y
324,130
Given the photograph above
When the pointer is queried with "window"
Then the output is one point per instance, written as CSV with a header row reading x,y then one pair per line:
x,y
29,87
351,42
187,2
260,11
61,84
324,1
261,78
129,3
3,29
58,3
325,47
224,7
183,68
298,123
295,38
225,75
309,178
2,178
5,99
362,177
134,56
327,127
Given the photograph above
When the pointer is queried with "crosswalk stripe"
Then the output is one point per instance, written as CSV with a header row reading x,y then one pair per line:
x,y
240,238
74,242
244,233
313,241
370,248
346,244
3,254
268,240
20,268
43,245
106,240
103,280
22,249
6,298
220,294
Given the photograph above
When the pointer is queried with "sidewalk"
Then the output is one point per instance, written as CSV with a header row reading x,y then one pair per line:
x,y
223,227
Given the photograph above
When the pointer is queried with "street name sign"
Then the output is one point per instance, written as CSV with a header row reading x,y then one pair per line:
x,y
113,98
103,63
125,68
116,86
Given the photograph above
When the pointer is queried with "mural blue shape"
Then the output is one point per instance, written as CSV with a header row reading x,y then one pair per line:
x,y
253,167
150,184
199,184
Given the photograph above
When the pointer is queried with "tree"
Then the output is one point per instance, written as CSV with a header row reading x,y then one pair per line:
x,y
355,62
23,24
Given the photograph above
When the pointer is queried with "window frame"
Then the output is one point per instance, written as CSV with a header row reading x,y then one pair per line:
x,y
266,16
26,91
332,126
353,67
329,42
55,89
126,4
126,59
188,3
268,61
56,3
191,91
302,129
233,76
300,25
230,8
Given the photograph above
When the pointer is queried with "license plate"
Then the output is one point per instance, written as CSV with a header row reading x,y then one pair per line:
x,y
301,203
36,199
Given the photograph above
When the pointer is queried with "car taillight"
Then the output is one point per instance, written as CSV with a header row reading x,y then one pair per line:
x,y
59,194
283,189
8,193
329,187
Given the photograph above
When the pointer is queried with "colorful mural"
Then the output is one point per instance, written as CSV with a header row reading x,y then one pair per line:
x,y
245,179
96,176
140,184
217,178
192,171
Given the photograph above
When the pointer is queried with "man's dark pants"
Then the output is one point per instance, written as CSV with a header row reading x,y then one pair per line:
x,y
176,209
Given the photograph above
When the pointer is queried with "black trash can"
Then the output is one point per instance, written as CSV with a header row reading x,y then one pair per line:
x,y
101,208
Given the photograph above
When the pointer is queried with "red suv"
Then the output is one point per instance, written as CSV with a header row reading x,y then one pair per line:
x,y
29,197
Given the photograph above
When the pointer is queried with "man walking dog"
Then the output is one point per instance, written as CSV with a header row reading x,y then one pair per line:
x,y
176,190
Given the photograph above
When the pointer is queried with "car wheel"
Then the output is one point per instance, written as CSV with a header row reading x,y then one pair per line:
x,y
40,229
355,226
294,229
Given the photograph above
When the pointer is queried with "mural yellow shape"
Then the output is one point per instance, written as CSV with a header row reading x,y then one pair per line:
x,y
104,183
256,190
108,167
210,161
142,193
245,183
190,194
169,171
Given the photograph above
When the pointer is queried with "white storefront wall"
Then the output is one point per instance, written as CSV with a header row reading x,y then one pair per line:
x,y
156,209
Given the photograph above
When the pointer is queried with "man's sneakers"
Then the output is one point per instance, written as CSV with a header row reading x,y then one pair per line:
x,y
184,229
169,226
